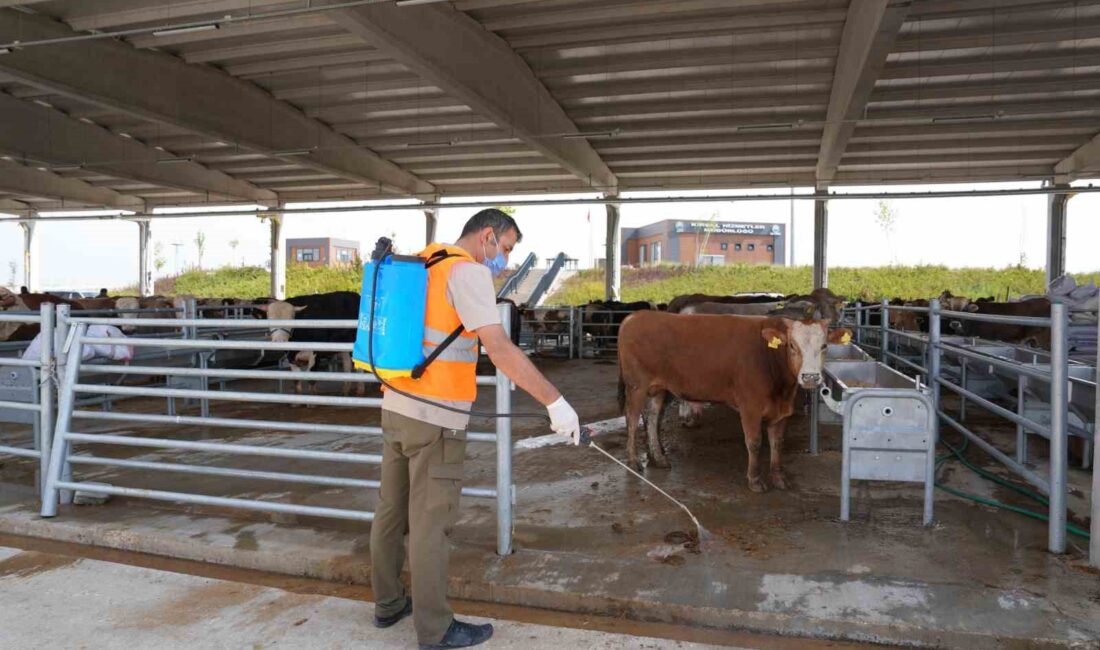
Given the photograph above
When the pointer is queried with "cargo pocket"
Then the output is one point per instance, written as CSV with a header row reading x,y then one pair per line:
x,y
447,475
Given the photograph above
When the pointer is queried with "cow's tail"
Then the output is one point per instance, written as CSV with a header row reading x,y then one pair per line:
x,y
622,393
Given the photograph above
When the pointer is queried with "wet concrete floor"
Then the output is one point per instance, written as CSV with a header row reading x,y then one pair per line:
x,y
573,503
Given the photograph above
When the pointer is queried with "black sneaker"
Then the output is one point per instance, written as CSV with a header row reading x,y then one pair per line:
x,y
462,635
382,622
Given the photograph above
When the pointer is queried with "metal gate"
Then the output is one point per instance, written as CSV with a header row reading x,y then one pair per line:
x,y
27,392
60,483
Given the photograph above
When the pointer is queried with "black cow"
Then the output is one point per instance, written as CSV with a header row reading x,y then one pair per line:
x,y
338,305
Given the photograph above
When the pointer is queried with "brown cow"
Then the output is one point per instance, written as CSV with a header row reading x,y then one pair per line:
x,y
1026,335
25,301
755,364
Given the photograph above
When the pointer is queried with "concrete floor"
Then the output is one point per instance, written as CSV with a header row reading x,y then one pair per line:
x,y
111,606
591,538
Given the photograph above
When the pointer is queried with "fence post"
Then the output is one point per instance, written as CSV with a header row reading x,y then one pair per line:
x,y
860,319
1059,416
46,380
884,328
504,453
1094,536
59,469
934,355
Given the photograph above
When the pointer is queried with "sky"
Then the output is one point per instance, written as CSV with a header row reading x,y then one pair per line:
x,y
956,232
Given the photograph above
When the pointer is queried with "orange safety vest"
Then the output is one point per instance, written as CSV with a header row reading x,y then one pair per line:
x,y
453,374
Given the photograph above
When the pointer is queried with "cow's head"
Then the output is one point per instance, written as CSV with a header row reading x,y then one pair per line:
x,y
951,302
124,304
280,310
303,360
8,299
804,343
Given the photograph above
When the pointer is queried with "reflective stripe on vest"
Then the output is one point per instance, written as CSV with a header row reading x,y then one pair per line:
x,y
462,349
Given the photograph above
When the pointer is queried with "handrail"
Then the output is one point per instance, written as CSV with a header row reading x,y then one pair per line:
x,y
512,285
546,281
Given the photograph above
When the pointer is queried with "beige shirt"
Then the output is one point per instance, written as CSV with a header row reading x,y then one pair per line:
x,y
470,291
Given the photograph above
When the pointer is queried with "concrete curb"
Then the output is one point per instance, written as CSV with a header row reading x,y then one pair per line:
x,y
841,607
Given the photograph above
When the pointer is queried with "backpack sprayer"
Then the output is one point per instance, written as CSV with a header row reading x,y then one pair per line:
x,y
389,340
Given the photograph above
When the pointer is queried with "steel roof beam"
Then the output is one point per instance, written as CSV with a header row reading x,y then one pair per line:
x,y
869,32
203,100
454,52
1082,163
29,131
28,181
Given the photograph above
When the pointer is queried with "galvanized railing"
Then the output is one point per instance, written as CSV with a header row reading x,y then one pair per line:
x,y
598,331
552,329
60,484
30,387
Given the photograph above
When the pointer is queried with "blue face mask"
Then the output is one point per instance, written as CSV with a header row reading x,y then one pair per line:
x,y
497,264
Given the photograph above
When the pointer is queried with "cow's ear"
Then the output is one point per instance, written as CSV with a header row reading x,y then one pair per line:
x,y
299,308
972,308
842,335
262,308
773,337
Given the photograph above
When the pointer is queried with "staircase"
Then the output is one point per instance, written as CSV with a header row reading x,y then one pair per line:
x,y
523,291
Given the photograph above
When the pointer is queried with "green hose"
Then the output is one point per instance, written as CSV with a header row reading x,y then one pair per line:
x,y
958,453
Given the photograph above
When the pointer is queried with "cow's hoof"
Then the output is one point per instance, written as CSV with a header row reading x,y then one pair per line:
x,y
757,485
636,466
660,463
689,424
779,482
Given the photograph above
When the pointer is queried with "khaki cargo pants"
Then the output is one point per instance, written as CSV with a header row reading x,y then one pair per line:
x,y
421,485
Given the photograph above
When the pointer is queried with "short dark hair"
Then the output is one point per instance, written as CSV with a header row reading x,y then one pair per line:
x,y
492,218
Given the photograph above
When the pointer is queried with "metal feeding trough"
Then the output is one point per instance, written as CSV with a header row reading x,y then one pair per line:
x,y
889,426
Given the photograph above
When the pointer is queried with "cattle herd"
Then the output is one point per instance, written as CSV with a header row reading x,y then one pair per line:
x,y
751,352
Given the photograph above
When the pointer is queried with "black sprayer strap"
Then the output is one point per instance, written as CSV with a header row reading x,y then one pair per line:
x,y
418,371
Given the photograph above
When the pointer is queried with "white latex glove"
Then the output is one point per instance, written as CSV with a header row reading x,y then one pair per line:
x,y
564,420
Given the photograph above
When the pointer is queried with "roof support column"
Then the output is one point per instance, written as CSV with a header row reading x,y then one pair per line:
x,y
145,259
31,258
613,272
821,240
278,256
431,221
1056,236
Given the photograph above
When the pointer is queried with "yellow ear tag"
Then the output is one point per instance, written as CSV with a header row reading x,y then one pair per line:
x,y
846,339
775,343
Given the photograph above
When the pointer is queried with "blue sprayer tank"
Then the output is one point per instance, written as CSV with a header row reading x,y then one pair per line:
x,y
399,305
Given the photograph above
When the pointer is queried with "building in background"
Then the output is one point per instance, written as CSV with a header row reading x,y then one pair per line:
x,y
322,251
704,242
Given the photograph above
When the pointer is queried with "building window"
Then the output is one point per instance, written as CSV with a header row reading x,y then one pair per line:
x,y
656,252
771,248
724,246
642,254
737,247
712,260
344,255
308,254
752,247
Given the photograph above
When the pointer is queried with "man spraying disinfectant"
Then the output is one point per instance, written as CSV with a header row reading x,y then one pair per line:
x,y
430,377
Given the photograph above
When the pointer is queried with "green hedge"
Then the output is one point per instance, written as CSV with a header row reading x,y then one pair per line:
x,y
664,282
660,283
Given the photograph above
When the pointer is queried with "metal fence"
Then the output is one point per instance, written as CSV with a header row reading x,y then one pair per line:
x,y
549,330
961,364
598,331
27,390
60,484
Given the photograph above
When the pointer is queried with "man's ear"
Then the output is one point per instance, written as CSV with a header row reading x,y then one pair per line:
x,y
773,337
